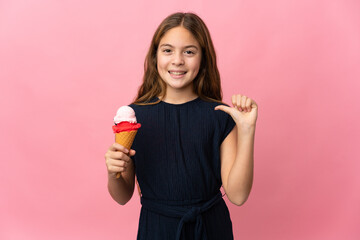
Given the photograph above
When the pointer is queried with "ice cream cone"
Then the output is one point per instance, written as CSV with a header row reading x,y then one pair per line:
x,y
126,139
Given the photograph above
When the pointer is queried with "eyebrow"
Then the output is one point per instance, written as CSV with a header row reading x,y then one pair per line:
x,y
169,45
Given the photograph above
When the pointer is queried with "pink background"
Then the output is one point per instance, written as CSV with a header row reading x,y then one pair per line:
x,y
66,66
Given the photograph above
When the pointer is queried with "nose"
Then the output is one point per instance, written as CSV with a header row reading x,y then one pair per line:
x,y
178,59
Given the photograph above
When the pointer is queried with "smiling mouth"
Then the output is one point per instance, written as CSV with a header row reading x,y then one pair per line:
x,y
177,73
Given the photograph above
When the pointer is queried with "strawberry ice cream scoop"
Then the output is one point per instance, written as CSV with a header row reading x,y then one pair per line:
x,y
125,127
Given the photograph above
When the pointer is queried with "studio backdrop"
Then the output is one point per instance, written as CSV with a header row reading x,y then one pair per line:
x,y
66,66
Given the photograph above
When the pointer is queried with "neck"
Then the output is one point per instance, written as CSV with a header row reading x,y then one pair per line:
x,y
178,97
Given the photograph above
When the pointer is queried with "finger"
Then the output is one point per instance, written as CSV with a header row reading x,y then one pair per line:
x,y
118,155
248,104
238,101
223,108
126,158
233,100
117,163
118,147
132,152
115,169
254,104
243,102
114,165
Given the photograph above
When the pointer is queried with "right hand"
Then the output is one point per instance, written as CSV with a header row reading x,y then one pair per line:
x,y
117,158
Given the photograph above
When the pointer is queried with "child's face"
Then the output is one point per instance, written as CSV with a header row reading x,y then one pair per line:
x,y
178,59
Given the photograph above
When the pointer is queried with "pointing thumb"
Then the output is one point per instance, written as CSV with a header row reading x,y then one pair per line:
x,y
223,108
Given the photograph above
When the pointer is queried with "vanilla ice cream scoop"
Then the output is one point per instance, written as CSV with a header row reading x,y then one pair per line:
x,y
125,114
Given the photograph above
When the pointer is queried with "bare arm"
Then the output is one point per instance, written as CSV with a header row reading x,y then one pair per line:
x,y
237,164
117,160
237,150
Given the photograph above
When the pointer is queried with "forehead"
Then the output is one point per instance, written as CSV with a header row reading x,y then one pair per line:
x,y
178,37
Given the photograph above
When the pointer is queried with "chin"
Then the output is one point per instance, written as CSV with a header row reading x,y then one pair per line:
x,y
179,85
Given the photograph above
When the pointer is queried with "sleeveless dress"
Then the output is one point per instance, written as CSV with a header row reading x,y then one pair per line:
x,y
177,164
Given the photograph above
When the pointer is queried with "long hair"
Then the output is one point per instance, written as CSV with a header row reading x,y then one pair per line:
x,y
207,82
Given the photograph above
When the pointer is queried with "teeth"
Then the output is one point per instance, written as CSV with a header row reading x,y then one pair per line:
x,y
178,73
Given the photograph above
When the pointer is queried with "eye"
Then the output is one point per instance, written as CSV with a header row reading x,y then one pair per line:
x,y
166,50
189,52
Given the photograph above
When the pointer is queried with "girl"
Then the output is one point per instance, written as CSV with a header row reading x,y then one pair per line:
x,y
190,144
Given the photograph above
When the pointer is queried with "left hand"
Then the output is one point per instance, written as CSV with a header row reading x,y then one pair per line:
x,y
244,110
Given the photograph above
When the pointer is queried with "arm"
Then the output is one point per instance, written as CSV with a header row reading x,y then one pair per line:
x,y
237,150
237,164
121,189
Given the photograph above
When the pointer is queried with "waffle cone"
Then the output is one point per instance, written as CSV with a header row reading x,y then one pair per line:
x,y
125,139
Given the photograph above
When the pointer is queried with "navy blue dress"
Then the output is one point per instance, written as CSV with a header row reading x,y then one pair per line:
x,y
177,164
